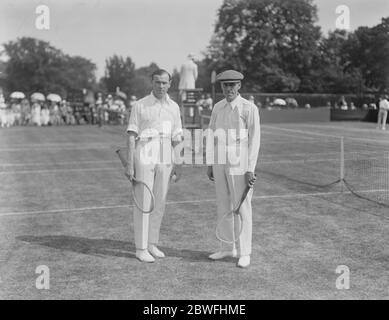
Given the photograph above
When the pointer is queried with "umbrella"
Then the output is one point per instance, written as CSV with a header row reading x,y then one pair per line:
x,y
120,94
17,95
280,102
54,97
38,96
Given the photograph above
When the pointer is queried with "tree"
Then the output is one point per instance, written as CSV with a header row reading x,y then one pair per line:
x,y
35,65
273,42
119,72
141,83
369,50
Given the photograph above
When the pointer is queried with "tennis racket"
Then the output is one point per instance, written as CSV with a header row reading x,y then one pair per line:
x,y
231,215
138,184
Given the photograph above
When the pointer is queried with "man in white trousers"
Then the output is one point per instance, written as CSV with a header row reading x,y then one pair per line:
x,y
154,128
383,112
236,122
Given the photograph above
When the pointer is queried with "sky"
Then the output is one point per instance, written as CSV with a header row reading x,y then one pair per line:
x,y
161,31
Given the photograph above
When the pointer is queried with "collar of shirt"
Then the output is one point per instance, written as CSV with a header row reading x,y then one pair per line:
x,y
234,103
166,99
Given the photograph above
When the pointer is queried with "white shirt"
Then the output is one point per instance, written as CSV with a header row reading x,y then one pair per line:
x,y
188,75
151,117
239,114
384,104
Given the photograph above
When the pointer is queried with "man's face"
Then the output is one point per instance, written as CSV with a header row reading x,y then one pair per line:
x,y
230,90
161,85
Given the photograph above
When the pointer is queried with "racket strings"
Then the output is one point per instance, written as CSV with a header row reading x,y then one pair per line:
x,y
145,187
231,215
235,235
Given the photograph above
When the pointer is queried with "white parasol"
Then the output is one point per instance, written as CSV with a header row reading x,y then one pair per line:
x,y
279,102
38,96
17,95
54,97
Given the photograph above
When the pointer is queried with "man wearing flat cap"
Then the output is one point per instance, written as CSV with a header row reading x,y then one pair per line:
x,y
238,121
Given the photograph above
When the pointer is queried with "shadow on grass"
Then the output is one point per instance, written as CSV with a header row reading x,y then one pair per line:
x,y
107,247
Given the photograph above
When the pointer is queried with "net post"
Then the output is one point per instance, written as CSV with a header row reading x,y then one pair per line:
x,y
341,178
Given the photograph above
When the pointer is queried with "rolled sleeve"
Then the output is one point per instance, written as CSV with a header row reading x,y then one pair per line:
x,y
177,125
254,138
133,122
210,142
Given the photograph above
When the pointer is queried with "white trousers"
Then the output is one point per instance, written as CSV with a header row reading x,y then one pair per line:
x,y
229,190
156,175
382,116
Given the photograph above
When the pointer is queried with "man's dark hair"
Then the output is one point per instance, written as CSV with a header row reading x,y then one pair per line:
x,y
160,72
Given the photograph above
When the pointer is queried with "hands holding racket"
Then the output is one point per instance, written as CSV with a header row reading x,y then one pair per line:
x,y
250,177
130,171
130,174
176,173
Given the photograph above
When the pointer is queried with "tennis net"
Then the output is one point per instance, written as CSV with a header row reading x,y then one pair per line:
x,y
328,163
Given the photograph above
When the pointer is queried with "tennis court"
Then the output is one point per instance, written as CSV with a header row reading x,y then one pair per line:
x,y
64,203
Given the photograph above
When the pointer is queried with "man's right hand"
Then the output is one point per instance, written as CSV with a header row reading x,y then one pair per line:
x,y
130,172
210,173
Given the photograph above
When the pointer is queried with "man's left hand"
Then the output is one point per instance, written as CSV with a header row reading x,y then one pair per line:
x,y
250,178
176,172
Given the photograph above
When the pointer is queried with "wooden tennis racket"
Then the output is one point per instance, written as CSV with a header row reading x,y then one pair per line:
x,y
232,237
137,184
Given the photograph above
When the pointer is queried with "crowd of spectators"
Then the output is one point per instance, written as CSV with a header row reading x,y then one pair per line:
x,y
18,111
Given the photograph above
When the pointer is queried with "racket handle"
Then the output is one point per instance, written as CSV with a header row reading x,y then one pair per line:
x,y
122,158
242,199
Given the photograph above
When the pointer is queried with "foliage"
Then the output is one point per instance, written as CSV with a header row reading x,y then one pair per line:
x,y
35,65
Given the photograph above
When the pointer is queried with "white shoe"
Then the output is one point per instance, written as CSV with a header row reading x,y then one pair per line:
x,y
144,256
244,262
223,254
156,252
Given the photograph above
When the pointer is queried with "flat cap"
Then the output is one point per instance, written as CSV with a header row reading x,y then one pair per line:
x,y
229,76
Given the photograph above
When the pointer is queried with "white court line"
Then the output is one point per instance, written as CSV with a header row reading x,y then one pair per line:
x,y
328,135
186,165
54,163
89,147
50,144
57,170
292,195
287,135
372,129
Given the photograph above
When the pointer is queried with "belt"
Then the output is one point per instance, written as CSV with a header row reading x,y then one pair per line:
x,y
146,139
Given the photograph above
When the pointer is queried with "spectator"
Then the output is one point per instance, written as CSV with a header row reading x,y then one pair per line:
x,y
15,114
342,103
372,106
291,103
208,103
307,106
63,111
100,109
36,113
383,112
45,115
25,114
200,103
107,108
352,106
268,104
120,110
54,114
70,119
365,106
3,111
